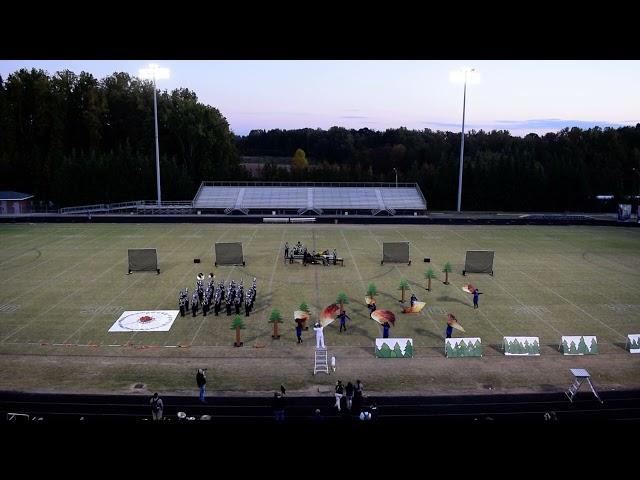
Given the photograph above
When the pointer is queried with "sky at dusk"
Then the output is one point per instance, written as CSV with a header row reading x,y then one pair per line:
x,y
521,96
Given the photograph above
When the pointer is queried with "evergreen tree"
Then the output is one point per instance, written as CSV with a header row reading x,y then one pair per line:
x,y
594,346
385,351
449,350
408,349
572,347
535,347
398,351
582,346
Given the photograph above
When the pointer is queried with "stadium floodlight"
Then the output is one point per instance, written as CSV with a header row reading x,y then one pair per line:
x,y
464,75
154,72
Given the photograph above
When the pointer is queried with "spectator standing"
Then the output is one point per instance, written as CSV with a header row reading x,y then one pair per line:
x,y
156,406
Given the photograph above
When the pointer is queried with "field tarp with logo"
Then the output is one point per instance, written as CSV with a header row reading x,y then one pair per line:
x,y
633,341
145,321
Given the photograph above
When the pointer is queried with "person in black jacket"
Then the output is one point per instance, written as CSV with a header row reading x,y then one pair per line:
x,y
201,380
156,406
278,407
339,394
349,393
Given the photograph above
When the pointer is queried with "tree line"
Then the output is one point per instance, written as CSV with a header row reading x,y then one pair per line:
x,y
74,139
563,171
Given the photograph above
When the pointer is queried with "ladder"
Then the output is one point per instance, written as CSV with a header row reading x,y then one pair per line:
x,y
573,389
321,361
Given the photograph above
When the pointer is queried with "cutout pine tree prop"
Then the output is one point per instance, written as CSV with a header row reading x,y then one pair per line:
x,y
305,308
275,318
237,325
429,275
404,285
342,300
447,269
372,291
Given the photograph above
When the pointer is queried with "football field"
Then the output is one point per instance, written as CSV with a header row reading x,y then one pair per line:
x,y
62,286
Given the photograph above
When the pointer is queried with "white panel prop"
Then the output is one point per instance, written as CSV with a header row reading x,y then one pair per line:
x,y
633,341
521,345
579,345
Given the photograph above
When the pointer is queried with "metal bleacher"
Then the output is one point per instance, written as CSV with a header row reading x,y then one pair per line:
x,y
300,198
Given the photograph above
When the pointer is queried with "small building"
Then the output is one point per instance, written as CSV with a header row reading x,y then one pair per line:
x,y
12,203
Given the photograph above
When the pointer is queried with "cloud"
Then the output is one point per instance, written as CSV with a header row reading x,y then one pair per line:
x,y
554,124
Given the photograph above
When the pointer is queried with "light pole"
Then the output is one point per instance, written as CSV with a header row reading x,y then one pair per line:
x,y
457,77
638,199
396,172
154,72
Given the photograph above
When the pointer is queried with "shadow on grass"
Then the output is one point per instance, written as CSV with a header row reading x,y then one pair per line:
x,y
426,333
450,299
621,345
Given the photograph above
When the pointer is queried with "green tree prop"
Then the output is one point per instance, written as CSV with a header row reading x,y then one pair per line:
x,y
449,350
582,346
304,307
535,346
404,285
372,291
429,275
447,269
385,351
594,346
398,351
275,318
237,325
408,350
342,300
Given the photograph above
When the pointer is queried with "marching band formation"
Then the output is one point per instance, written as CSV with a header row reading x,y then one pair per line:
x,y
232,297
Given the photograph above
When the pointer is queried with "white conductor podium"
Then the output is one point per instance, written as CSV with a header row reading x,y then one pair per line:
x,y
581,375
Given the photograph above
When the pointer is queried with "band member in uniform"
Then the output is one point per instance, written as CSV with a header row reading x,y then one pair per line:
x,y
228,304
205,305
247,303
218,302
194,304
186,297
236,303
181,298
200,287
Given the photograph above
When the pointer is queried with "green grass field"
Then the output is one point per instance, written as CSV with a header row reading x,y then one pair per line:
x,y
64,285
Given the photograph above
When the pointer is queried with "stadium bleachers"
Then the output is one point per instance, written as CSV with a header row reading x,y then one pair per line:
x,y
373,198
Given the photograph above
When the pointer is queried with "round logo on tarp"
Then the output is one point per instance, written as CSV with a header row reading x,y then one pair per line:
x,y
145,321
